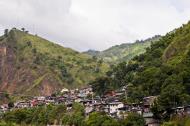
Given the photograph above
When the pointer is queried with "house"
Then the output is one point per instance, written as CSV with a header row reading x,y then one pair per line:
x,y
105,108
64,90
4,108
69,105
60,99
123,112
98,107
119,93
149,100
86,91
22,104
41,98
113,106
72,91
187,110
78,100
86,102
82,95
3,51
147,103
89,109
150,120
33,103
180,111
49,101
110,94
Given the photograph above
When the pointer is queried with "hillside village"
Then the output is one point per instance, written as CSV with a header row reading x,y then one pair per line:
x,y
110,103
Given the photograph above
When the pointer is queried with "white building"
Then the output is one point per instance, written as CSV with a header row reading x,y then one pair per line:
x,y
64,90
114,106
88,109
22,104
41,98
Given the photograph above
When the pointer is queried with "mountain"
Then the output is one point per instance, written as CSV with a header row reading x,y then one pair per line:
x,y
162,71
92,52
123,52
35,66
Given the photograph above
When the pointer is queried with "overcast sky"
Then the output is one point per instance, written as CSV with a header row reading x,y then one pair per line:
x,y
94,24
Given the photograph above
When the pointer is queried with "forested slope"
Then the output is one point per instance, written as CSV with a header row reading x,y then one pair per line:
x,y
163,71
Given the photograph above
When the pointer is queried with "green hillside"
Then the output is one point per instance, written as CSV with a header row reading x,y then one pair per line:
x,y
33,65
163,71
123,52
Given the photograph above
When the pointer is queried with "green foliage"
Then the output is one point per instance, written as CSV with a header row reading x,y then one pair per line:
x,y
58,115
3,123
101,85
100,119
11,104
169,124
171,96
178,121
133,119
163,71
23,29
123,52
77,117
40,115
36,57
6,32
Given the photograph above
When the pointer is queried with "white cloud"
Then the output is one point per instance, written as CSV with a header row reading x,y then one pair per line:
x,y
94,24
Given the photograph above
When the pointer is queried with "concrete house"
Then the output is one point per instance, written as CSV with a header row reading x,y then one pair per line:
x,y
114,106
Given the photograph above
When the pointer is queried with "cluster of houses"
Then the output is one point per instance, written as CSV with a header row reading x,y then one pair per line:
x,y
110,104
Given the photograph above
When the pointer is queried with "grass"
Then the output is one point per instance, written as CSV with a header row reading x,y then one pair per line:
x,y
38,57
125,52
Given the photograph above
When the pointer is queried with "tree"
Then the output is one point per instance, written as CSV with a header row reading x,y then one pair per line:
x,y
133,119
171,96
169,124
11,104
100,119
78,115
101,85
94,58
29,43
6,31
23,29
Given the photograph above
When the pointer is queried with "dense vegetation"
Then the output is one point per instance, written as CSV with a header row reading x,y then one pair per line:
x,y
58,115
123,52
163,71
33,65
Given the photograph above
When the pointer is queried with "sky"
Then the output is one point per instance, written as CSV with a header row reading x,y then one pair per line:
x,y
94,24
